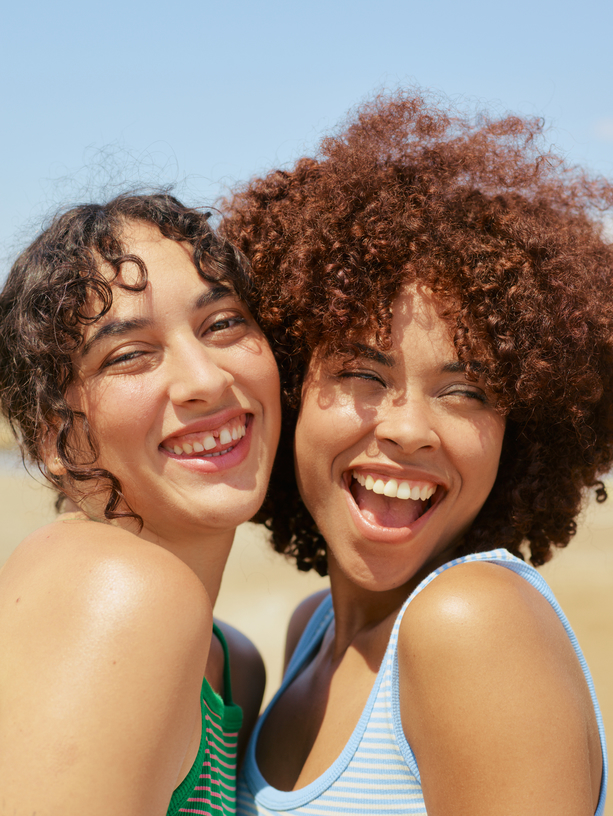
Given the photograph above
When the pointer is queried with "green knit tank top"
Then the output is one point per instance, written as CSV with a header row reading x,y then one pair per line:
x,y
210,786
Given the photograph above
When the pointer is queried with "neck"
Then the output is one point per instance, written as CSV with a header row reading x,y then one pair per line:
x,y
357,609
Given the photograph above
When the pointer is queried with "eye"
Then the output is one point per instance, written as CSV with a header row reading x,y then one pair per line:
x,y
123,359
225,327
468,393
357,374
229,323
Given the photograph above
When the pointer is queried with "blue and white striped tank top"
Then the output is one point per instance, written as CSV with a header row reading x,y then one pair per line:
x,y
376,774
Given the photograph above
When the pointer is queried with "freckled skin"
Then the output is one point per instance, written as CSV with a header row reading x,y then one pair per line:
x,y
412,420
493,700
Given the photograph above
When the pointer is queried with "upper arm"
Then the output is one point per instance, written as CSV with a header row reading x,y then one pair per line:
x,y
493,700
100,680
297,624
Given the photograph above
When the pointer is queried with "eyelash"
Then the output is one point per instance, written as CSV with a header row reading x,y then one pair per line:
x,y
369,376
224,323
475,395
122,358
219,325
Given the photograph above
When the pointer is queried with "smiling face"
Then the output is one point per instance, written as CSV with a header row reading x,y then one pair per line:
x,y
396,452
182,394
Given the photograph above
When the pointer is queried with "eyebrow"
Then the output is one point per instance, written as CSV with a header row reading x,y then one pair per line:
x,y
217,292
117,328
456,367
376,356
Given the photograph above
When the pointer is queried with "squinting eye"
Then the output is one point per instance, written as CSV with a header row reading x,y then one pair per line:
x,y
123,358
368,376
469,393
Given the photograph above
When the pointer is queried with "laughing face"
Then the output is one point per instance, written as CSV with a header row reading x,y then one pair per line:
x,y
182,394
396,451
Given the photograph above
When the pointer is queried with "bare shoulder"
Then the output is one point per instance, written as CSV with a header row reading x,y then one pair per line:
x,y
101,584
482,617
99,629
91,557
475,598
300,617
489,676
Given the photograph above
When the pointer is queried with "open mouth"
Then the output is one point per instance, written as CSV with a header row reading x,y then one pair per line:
x,y
391,503
208,444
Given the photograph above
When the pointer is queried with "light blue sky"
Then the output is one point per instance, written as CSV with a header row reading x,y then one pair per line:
x,y
96,96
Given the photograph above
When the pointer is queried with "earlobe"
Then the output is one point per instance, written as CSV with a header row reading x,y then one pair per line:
x,y
55,466
49,453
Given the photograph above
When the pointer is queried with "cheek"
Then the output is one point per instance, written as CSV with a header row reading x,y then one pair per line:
x,y
325,434
121,414
479,450
256,368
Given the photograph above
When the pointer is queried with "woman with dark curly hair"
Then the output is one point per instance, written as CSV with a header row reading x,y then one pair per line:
x,y
137,380
440,297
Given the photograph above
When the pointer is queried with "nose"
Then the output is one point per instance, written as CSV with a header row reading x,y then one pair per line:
x,y
408,424
197,375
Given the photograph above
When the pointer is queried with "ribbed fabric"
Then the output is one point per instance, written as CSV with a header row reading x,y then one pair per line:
x,y
376,773
210,786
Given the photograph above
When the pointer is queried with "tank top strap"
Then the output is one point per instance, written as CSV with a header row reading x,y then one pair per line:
x,y
502,558
310,640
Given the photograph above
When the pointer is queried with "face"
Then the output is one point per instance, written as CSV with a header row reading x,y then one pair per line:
x,y
182,394
396,452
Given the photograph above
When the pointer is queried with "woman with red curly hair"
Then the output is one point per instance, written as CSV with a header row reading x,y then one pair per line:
x,y
439,294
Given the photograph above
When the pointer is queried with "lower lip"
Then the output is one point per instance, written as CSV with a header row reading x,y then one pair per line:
x,y
384,535
216,464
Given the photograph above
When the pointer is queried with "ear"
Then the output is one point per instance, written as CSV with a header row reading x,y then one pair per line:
x,y
49,453
56,467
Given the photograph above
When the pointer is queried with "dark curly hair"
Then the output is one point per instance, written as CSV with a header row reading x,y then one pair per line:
x,y
47,301
509,238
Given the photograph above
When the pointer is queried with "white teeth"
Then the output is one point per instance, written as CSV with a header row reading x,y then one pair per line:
x,y
391,489
394,489
209,442
225,435
404,491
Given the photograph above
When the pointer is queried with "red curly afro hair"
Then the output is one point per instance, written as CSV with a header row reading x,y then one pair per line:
x,y
512,241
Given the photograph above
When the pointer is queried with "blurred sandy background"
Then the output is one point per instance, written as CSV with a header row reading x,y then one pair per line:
x,y
261,589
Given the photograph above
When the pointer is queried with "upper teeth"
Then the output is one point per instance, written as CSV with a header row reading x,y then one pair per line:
x,y
395,489
207,440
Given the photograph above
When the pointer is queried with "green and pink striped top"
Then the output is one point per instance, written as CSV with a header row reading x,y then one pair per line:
x,y
210,786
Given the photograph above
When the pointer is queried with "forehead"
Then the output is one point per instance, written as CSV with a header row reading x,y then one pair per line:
x,y
419,333
161,278
419,306
158,253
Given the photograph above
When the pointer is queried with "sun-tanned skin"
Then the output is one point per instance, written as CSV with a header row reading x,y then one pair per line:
x,y
476,418
106,628
474,641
